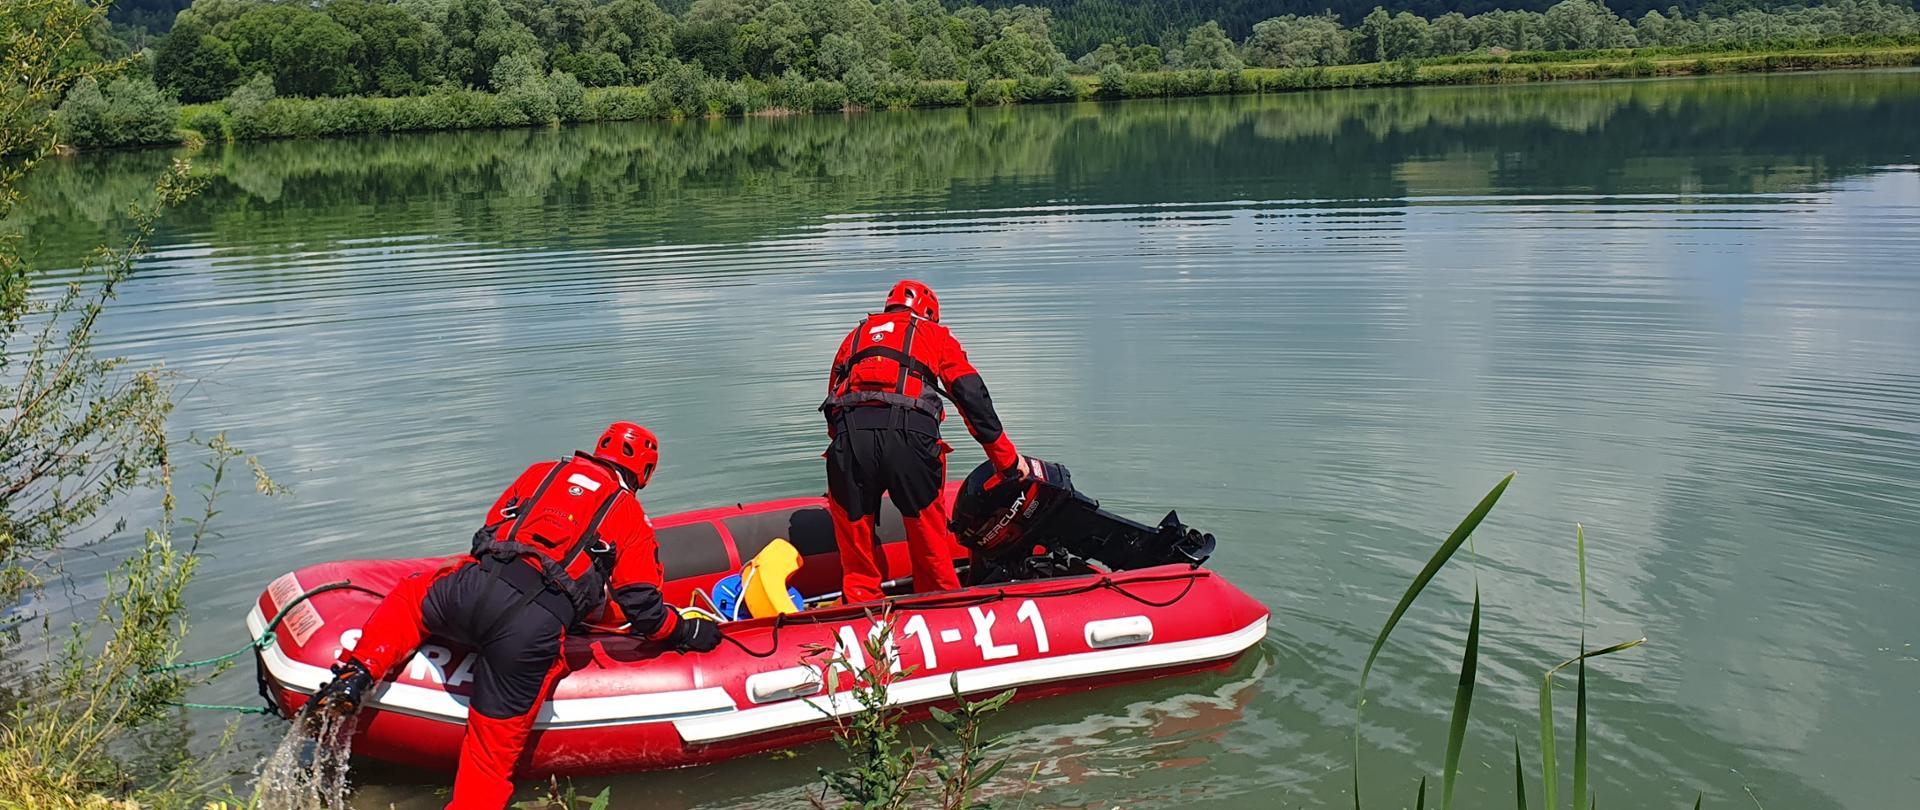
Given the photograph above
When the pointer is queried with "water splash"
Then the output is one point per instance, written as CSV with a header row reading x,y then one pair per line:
x,y
308,769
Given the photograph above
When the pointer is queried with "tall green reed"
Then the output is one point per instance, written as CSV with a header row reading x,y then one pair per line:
x,y
1468,673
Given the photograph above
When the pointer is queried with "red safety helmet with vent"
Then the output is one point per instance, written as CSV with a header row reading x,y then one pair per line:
x,y
918,298
630,447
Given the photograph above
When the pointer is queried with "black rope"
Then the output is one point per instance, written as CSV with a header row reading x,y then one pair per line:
x,y
771,648
1115,586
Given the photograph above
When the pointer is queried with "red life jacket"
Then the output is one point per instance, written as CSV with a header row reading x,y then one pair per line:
x,y
882,369
557,526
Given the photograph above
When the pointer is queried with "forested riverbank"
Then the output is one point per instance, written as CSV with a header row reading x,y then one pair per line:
x,y
249,69
256,113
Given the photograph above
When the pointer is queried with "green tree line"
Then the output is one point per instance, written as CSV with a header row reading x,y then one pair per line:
x,y
443,64
1082,25
1568,25
412,46
347,47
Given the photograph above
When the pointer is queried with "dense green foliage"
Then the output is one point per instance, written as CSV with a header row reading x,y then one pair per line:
x,y
126,111
255,111
348,47
1568,25
1082,25
277,69
872,48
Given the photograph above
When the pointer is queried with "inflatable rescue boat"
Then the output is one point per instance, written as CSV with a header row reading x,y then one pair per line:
x,y
1062,596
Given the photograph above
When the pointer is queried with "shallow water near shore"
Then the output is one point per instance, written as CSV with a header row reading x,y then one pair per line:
x,y
1687,312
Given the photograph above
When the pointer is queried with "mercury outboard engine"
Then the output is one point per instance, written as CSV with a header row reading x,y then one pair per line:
x,y
1043,527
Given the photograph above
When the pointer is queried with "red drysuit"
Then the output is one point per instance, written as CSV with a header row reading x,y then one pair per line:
x,y
532,552
884,413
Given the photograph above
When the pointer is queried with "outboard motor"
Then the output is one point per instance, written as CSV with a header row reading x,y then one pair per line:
x,y
1043,527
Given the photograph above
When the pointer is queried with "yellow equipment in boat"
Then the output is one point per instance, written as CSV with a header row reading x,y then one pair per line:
x,y
691,612
763,581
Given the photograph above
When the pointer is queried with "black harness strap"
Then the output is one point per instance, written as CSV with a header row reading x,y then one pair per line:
x,y
499,566
489,534
901,407
580,546
549,575
908,364
592,532
556,577
841,370
520,510
906,348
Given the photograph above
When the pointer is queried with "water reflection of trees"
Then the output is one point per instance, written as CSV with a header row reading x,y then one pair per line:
x,y
714,181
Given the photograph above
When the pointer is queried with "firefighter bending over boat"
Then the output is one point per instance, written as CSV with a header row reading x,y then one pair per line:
x,y
883,414
564,536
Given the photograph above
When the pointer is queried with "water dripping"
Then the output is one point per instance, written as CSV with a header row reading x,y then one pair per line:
x,y
308,769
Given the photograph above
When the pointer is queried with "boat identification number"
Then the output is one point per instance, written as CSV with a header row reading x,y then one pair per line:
x,y
996,641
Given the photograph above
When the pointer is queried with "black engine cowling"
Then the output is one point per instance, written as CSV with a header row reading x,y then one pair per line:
x,y
1043,527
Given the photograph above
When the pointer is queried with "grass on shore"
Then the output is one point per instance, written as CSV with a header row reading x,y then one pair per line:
x,y
33,786
568,103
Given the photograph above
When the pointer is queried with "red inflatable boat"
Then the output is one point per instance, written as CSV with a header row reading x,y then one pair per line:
x,y
1053,622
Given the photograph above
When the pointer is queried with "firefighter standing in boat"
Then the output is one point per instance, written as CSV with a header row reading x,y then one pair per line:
x,y
554,545
883,414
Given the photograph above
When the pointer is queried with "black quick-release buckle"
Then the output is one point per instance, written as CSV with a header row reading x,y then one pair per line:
x,y
603,556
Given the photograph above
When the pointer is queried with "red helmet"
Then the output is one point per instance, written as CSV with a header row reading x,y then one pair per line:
x,y
630,447
916,297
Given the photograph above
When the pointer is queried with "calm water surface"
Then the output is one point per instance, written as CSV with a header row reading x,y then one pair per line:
x,y
1687,313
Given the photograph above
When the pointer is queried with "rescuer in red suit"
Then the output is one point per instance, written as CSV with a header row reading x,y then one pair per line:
x,y
566,535
883,413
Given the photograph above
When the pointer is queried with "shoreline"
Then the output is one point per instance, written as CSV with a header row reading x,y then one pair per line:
x,y
293,118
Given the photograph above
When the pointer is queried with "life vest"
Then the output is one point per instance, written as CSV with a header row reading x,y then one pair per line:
x,y
557,527
883,371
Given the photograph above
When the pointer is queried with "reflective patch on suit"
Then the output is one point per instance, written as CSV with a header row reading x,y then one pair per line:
x,y
580,481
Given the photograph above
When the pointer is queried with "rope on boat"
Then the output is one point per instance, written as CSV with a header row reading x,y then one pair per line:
x,y
265,638
223,707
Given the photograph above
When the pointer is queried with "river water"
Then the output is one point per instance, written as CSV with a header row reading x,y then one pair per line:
x,y
1321,326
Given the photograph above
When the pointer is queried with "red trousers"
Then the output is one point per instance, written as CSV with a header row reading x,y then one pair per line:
x,y
519,648
910,468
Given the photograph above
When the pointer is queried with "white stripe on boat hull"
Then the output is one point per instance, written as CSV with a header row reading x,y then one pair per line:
x,y
709,714
709,728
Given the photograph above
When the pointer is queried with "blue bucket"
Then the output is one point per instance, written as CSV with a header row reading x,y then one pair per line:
x,y
726,597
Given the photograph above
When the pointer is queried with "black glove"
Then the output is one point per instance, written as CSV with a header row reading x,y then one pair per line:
x,y
1012,475
343,694
695,634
